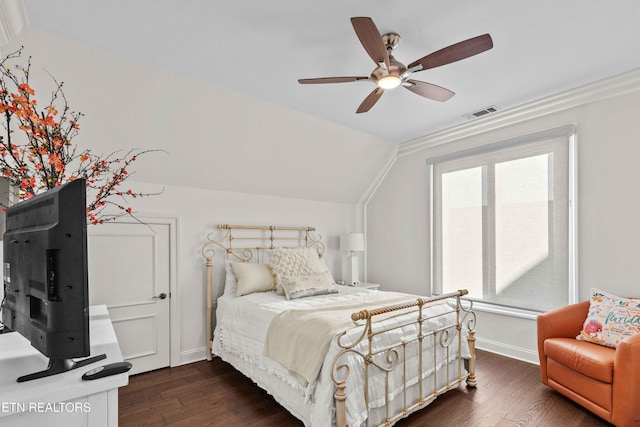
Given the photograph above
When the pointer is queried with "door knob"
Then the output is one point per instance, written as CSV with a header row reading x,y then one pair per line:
x,y
161,296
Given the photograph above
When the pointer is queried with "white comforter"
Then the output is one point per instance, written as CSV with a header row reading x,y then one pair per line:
x,y
241,330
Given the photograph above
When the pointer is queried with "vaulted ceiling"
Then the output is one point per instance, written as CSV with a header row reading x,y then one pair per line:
x,y
261,48
237,51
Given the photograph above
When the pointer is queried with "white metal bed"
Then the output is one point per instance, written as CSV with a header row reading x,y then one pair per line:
x,y
394,362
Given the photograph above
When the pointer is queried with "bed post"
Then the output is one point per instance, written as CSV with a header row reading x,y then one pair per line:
x,y
209,253
340,383
340,397
470,323
471,378
209,308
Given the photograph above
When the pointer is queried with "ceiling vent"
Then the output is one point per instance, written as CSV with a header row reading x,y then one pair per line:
x,y
480,113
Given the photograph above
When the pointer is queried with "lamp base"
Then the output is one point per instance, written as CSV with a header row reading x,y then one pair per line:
x,y
353,276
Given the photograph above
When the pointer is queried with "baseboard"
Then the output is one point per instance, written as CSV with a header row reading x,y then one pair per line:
x,y
507,350
194,355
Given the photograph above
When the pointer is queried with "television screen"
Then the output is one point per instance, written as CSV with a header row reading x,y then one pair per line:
x,y
46,277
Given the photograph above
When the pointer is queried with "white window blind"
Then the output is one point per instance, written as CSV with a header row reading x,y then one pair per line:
x,y
502,223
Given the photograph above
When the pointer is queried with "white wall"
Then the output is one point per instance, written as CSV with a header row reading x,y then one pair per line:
x,y
200,211
230,158
214,138
608,232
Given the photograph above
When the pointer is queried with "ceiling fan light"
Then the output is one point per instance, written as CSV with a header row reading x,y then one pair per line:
x,y
389,82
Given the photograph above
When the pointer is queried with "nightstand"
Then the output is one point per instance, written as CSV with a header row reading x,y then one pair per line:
x,y
368,285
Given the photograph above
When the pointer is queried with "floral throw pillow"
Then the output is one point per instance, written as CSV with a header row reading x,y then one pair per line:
x,y
610,319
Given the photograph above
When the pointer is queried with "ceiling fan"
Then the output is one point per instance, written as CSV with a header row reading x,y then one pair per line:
x,y
389,73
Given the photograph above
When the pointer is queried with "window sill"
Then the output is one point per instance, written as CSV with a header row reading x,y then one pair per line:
x,y
503,310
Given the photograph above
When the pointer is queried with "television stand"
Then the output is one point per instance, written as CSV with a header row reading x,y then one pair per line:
x,y
65,399
58,366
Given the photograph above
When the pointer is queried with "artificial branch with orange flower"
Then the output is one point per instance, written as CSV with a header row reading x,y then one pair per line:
x,y
42,157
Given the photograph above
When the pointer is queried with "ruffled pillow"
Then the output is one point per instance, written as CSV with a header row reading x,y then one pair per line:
x,y
295,262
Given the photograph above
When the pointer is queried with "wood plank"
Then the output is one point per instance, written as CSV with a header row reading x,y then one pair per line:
x,y
509,393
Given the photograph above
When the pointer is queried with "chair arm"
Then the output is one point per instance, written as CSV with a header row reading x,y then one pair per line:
x,y
626,382
563,322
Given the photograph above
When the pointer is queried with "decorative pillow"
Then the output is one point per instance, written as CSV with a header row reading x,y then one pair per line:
x,y
230,281
610,319
294,262
252,277
307,286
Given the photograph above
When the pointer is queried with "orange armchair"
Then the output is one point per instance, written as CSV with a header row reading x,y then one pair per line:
x,y
604,380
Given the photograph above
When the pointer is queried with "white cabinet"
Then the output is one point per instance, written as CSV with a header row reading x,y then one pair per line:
x,y
65,399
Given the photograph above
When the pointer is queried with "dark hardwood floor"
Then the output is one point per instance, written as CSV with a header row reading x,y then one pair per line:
x,y
509,393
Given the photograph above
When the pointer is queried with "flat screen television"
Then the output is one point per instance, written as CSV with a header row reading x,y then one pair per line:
x,y
46,278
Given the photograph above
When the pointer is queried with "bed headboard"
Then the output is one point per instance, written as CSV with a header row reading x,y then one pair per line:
x,y
246,243
249,243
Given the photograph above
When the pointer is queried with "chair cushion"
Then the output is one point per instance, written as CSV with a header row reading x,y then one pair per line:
x,y
594,395
592,360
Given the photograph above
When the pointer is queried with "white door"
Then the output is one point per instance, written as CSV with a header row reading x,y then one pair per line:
x,y
129,272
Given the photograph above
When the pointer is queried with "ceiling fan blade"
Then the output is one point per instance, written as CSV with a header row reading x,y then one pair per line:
x,y
332,80
428,90
370,100
455,52
371,39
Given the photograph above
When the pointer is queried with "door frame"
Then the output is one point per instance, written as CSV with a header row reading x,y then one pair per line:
x,y
174,312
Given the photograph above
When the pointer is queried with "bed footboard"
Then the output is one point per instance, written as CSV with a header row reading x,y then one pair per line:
x,y
391,359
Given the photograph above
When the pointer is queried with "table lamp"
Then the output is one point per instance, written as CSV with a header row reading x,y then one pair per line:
x,y
352,243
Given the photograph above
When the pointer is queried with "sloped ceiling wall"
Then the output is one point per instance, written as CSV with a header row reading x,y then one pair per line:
x,y
212,138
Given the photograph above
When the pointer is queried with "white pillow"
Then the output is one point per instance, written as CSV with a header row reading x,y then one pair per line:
x,y
307,286
230,281
294,262
252,277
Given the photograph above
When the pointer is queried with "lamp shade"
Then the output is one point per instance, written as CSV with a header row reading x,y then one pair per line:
x,y
352,242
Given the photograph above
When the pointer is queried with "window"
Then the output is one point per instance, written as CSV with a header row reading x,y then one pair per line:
x,y
502,223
